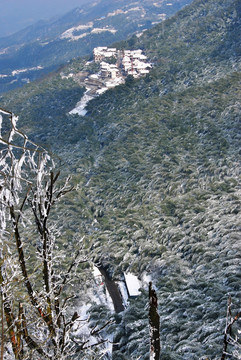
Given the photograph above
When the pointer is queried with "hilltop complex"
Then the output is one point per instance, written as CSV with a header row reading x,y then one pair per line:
x,y
121,63
115,66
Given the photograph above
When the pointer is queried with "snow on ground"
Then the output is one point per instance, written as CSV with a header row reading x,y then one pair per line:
x,y
16,72
81,105
114,82
70,33
103,296
101,91
116,12
123,292
99,295
94,76
67,76
4,51
20,71
82,330
146,278
135,9
132,283
100,30
119,11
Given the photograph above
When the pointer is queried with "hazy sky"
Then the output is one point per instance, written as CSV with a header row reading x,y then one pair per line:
x,y
17,14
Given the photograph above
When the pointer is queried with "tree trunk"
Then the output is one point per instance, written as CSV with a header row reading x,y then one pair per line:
x,y
154,322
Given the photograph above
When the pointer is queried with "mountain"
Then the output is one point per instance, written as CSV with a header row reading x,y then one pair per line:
x,y
156,162
42,47
27,13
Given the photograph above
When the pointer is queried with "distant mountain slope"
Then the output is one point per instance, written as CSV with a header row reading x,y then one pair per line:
x,y
40,48
157,162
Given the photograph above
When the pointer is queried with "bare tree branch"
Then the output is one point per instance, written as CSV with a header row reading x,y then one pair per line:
x,y
228,329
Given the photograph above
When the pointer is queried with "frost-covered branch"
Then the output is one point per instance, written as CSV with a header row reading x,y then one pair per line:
x,y
36,299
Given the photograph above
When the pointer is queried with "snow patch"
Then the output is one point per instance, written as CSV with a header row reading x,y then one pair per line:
x,y
4,51
133,284
146,278
102,296
120,11
99,295
116,12
81,105
101,91
19,71
67,76
135,9
124,293
100,30
69,34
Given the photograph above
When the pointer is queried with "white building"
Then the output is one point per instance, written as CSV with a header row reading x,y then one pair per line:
x,y
102,52
109,70
128,62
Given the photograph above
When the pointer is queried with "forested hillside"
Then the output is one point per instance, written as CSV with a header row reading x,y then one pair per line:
x,y
157,164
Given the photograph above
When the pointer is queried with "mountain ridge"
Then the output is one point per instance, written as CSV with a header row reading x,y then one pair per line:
x,y
44,45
